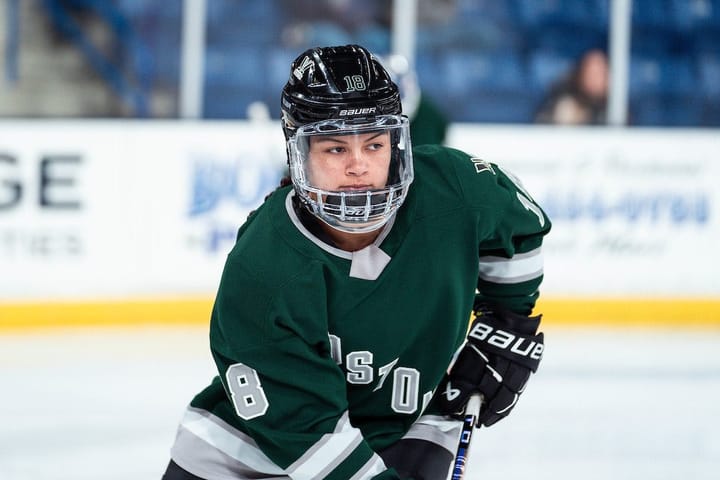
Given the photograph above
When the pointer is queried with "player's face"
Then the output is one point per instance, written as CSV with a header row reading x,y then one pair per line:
x,y
349,162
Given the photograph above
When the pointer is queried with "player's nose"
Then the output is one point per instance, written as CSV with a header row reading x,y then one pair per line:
x,y
357,163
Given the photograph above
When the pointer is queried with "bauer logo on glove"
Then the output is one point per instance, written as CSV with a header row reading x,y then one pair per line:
x,y
517,344
501,351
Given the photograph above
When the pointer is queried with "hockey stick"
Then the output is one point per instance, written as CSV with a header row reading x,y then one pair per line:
x,y
472,410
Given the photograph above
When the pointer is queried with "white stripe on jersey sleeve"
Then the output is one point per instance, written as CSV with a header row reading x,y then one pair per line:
x,y
442,431
520,268
329,452
235,445
374,466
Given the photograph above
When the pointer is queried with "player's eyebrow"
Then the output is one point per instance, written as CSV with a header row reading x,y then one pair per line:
x,y
338,138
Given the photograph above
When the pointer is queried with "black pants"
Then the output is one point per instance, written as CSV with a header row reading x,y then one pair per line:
x,y
174,472
418,459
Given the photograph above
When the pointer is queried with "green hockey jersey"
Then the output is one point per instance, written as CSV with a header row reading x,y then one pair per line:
x,y
326,357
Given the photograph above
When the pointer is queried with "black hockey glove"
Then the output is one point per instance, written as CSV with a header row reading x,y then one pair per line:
x,y
501,351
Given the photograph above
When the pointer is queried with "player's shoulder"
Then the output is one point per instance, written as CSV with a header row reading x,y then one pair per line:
x,y
470,179
271,277
457,170
435,154
269,248
441,160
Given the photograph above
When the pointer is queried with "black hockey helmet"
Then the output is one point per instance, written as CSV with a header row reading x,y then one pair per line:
x,y
344,90
343,82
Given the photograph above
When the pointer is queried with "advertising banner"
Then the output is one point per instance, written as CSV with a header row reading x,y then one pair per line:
x,y
634,212
112,209
115,209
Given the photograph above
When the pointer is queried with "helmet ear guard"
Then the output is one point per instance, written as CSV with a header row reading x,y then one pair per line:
x,y
345,90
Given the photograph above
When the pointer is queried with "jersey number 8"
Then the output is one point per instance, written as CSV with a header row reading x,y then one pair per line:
x,y
247,394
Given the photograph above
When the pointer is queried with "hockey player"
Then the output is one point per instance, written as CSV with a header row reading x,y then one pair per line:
x,y
348,295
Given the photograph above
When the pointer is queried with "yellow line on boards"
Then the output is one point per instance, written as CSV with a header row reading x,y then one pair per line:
x,y
631,312
672,312
175,311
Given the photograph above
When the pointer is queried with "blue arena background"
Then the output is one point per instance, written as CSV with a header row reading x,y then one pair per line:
x,y
479,60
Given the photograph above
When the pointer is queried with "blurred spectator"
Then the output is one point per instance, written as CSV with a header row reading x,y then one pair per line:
x,y
429,12
318,22
580,98
346,14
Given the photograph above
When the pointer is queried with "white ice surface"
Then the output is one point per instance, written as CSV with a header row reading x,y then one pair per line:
x,y
104,405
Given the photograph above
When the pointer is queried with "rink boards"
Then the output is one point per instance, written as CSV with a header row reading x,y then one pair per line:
x,y
109,222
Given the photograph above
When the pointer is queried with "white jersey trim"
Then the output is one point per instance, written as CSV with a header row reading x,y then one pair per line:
x,y
520,268
369,262
329,452
329,248
442,431
374,466
317,462
232,443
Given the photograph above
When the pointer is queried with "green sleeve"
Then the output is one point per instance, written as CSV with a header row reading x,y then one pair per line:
x,y
511,227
